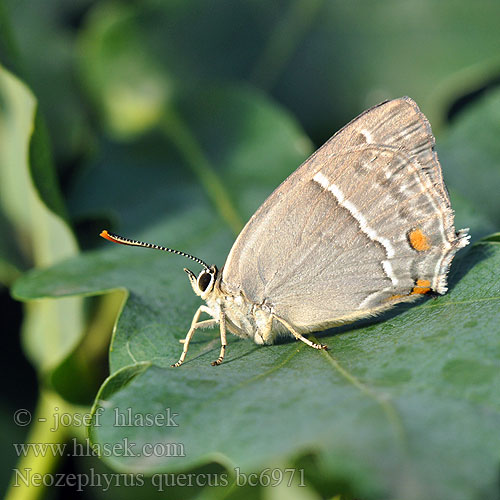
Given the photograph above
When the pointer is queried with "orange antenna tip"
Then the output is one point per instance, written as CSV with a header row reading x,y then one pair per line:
x,y
107,236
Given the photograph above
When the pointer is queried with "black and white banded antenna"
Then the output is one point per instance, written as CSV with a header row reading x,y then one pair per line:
x,y
115,238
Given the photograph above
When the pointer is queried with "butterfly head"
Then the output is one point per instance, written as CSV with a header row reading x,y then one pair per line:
x,y
204,283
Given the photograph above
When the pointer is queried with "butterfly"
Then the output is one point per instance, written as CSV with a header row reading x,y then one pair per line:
x,y
363,224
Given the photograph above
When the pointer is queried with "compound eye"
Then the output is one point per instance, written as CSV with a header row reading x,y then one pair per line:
x,y
204,280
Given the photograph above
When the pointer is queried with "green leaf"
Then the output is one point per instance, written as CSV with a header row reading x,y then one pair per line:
x,y
51,329
251,135
38,46
358,54
128,86
409,386
252,145
404,406
421,386
471,153
321,59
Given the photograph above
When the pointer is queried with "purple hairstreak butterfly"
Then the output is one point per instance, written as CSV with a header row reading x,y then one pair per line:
x,y
363,224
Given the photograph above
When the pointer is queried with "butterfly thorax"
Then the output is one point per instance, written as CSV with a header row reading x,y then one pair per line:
x,y
243,318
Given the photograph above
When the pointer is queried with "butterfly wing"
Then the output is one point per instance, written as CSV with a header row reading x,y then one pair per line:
x,y
365,222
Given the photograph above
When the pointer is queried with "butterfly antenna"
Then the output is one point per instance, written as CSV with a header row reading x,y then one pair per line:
x,y
115,238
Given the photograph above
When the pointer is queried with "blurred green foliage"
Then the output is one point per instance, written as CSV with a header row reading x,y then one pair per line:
x,y
172,121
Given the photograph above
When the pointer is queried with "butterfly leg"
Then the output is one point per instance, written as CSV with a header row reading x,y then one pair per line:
x,y
298,336
194,325
207,323
223,341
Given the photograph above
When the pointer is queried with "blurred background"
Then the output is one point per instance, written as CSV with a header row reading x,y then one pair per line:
x,y
114,96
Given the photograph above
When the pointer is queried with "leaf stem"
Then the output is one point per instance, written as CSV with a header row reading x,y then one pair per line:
x,y
179,133
40,461
284,40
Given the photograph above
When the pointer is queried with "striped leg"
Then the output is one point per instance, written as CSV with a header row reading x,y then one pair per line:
x,y
194,325
298,336
223,341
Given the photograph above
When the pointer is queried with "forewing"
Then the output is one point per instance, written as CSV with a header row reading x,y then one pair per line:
x,y
364,222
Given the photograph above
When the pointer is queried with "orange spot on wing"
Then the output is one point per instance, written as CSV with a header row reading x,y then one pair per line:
x,y
423,283
418,240
396,297
422,286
